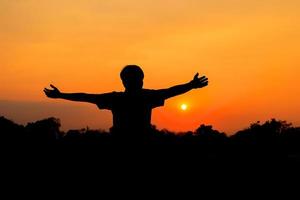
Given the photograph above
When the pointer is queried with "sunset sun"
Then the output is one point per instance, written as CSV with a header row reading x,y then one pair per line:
x,y
183,106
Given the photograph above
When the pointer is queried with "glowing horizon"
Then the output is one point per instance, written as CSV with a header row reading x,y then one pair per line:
x,y
249,51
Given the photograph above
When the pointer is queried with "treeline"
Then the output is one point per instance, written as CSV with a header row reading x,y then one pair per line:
x,y
271,138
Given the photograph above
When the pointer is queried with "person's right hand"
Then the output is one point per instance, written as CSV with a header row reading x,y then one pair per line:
x,y
199,82
52,93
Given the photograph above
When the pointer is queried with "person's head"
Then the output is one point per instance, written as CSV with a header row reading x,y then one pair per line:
x,y
132,77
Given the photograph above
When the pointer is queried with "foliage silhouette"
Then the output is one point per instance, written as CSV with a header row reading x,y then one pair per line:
x,y
274,138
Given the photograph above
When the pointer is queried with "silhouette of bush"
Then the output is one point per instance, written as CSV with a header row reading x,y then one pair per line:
x,y
10,131
272,138
44,131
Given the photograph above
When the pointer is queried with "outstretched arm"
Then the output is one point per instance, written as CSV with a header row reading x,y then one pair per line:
x,y
180,89
55,93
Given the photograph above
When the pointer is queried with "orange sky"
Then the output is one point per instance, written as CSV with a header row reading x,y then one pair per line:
x,y
248,49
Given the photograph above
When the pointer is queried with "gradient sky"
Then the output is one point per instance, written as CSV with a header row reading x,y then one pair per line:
x,y
248,49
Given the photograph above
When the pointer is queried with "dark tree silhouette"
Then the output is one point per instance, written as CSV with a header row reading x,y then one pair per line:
x,y
10,131
274,138
46,130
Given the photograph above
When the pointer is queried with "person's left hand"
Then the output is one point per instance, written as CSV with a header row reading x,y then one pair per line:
x,y
54,93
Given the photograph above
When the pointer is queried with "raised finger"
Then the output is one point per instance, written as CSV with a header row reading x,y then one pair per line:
x,y
196,75
53,86
205,83
203,78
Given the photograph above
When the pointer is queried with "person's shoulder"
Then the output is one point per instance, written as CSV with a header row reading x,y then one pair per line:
x,y
110,95
107,100
113,93
152,92
156,97
149,91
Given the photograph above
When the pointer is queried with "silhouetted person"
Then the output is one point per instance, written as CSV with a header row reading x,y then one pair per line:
x,y
131,109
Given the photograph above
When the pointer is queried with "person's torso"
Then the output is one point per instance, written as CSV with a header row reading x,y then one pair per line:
x,y
132,111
